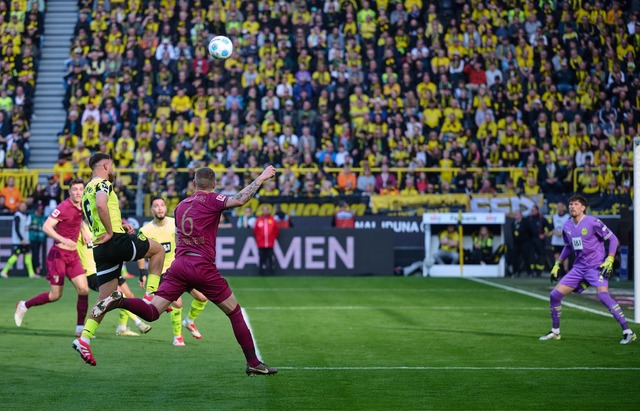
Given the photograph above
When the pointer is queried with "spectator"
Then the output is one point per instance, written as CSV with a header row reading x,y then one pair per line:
x,y
12,195
343,217
247,219
385,180
281,217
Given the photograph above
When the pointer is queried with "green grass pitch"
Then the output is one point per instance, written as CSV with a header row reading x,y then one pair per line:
x,y
360,343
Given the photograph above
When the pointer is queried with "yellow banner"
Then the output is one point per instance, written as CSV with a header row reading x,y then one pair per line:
x,y
422,202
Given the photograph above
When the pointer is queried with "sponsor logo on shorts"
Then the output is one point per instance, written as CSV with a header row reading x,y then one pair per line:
x,y
141,236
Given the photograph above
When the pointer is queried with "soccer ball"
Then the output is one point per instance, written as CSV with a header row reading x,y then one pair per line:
x,y
220,48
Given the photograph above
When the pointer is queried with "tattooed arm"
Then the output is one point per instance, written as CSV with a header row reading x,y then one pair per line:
x,y
249,191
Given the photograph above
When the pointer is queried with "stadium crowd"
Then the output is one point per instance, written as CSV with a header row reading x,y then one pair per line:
x,y
543,86
21,34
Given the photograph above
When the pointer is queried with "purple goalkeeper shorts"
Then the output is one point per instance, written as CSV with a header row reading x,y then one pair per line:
x,y
589,275
188,272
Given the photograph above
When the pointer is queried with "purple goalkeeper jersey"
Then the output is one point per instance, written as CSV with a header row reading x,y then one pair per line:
x,y
197,219
586,239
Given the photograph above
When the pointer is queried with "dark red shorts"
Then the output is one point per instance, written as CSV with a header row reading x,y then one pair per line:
x,y
61,263
188,272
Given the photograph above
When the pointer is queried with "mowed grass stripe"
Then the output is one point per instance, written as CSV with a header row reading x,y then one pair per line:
x,y
455,368
543,297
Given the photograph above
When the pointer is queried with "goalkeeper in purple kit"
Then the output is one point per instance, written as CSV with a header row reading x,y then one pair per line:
x,y
585,237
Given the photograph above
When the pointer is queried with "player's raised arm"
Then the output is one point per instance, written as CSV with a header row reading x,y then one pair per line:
x,y
249,191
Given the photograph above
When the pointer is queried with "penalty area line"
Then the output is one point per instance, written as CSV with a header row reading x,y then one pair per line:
x,y
255,342
541,297
461,368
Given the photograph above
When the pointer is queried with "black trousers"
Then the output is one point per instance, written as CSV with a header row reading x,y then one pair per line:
x,y
267,261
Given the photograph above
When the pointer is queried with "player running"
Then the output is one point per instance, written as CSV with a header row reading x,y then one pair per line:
x,y
163,229
197,220
64,226
585,236
113,242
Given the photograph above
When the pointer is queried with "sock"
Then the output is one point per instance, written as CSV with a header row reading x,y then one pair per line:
x,y
556,307
196,309
122,322
10,262
138,306
176,321
153,281
614,308
82,305
90,328
243,336
29,264
39,299
133,317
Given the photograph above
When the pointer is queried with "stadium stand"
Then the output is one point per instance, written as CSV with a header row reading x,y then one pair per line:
x,y
22,28
544,92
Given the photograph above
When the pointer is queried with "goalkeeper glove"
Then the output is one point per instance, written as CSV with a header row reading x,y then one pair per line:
x,y
554,272
606,268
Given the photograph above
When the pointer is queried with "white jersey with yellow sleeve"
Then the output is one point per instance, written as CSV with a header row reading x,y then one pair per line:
x,y
85,252
165,235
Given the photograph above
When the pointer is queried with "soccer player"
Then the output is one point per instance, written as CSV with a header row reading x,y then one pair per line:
x,y
85,251
197,220
584,236
113,242
162,229
64,227
20,238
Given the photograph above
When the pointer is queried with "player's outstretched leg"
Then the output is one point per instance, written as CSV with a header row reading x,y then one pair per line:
x,y
245,339
605,298
107,304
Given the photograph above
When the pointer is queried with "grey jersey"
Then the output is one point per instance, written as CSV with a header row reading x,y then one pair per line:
x,y
20,227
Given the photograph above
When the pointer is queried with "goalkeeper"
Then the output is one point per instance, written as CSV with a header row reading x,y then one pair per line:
x,y
585,236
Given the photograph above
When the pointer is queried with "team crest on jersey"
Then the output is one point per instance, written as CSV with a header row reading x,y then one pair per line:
x,y
221,197
55,213
584,231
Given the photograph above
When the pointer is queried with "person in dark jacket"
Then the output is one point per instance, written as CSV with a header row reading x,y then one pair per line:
x,y
520,255
540,229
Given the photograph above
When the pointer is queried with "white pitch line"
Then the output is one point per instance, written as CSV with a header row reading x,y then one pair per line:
x,y
395,307
443,368
335,290
255,343
541,297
